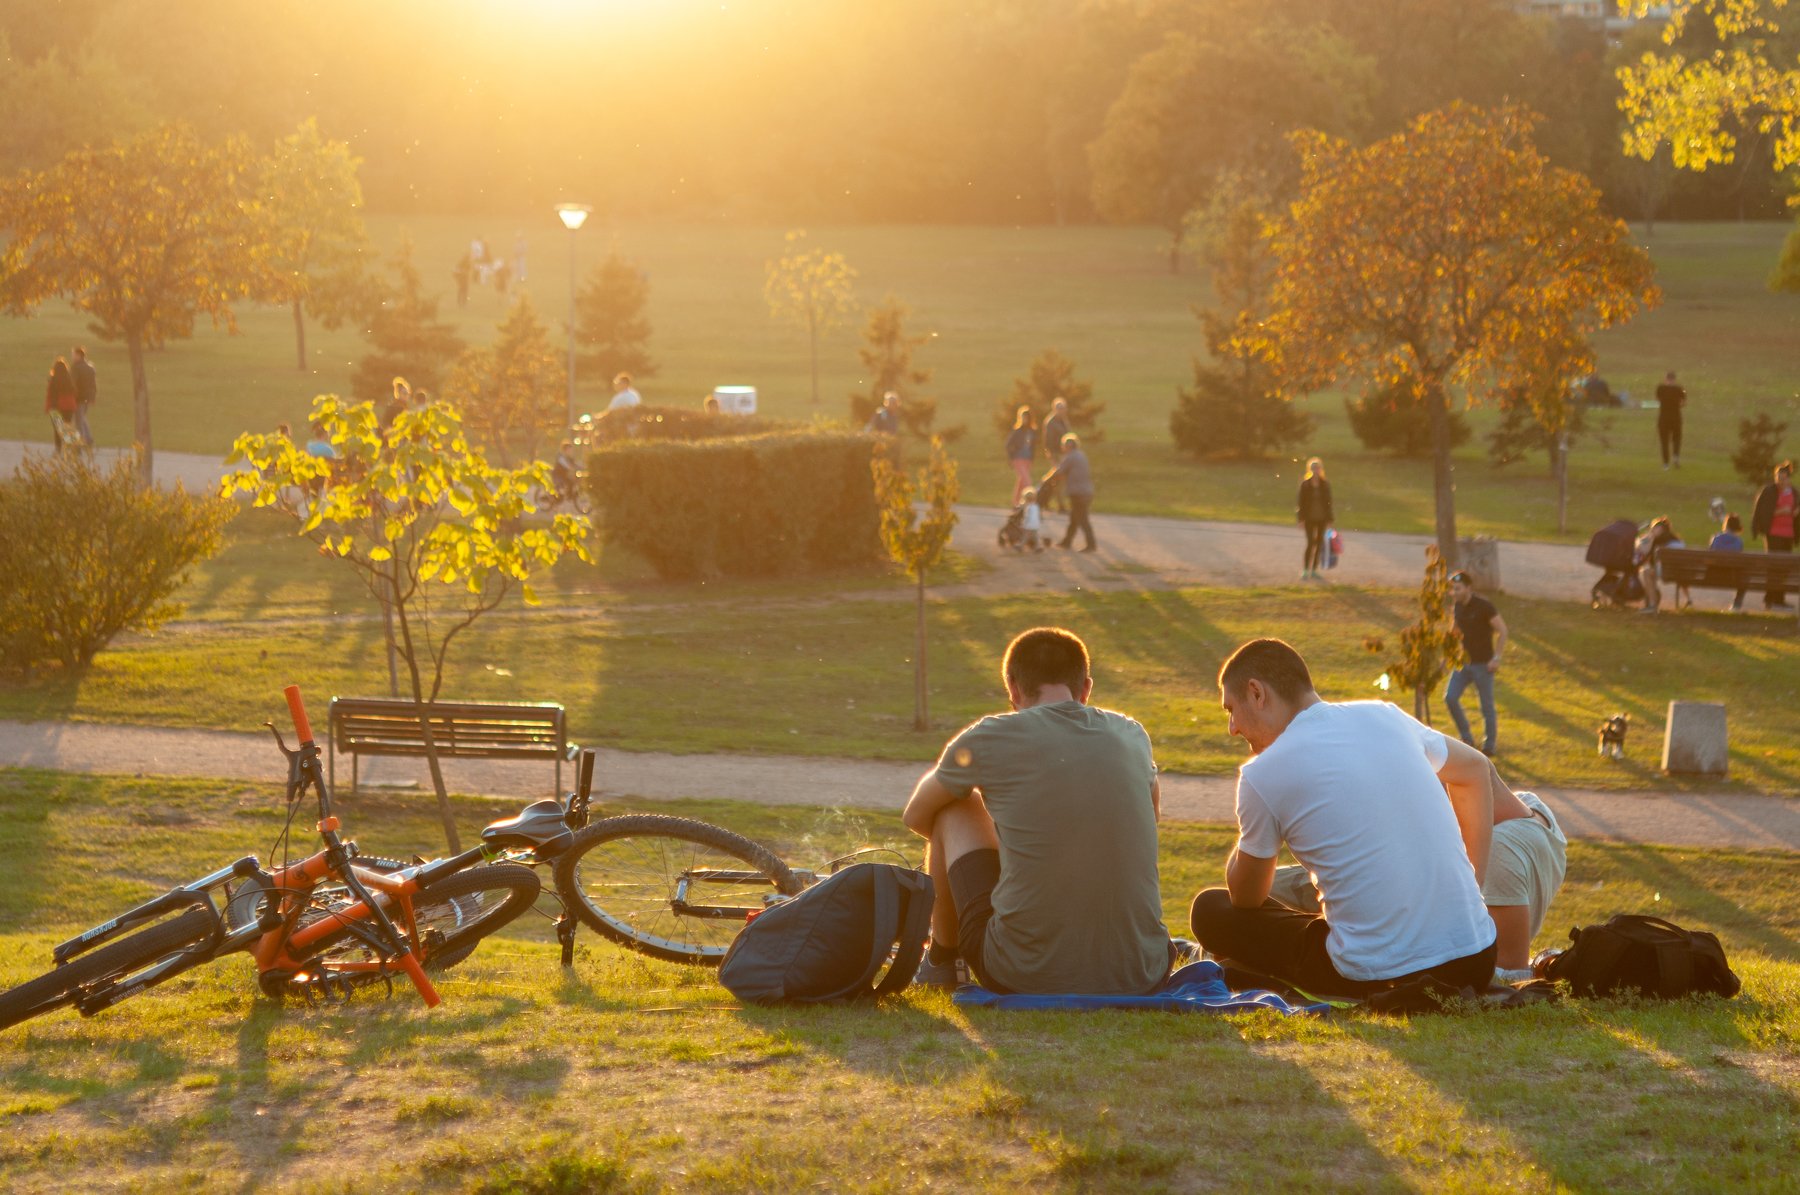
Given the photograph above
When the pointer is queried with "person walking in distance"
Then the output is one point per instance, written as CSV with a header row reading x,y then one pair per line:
x,y
1056,426
1483,635
1021,446
1077,481
624,395
60,403
1313,512
1671,396
87,390
1777,511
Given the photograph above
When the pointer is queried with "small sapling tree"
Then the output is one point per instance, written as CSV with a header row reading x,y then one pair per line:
x,y
436,533
810,289
1429,646
915,540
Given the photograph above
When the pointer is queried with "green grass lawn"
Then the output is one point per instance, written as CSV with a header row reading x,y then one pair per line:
x,y
992,298
630,1075
825,668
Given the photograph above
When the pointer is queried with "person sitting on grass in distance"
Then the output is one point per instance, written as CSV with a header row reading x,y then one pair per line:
x,y
1042,831
1357,791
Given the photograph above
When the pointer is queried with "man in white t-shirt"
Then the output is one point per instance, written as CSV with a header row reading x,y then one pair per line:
x,y
1357,791
623,394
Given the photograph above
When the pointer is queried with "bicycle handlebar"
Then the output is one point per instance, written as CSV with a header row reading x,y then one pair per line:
x,y
297,708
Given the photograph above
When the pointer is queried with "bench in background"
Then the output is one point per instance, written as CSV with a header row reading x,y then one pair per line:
x,y
462,730
1753,572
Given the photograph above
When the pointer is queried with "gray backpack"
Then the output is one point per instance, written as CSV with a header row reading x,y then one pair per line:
x,y
826,945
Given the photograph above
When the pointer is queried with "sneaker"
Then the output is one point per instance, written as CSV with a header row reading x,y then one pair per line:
x,y
949,974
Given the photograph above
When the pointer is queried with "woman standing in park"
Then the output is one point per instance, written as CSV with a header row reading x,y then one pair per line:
x,y
60,401
1021,447
1313,512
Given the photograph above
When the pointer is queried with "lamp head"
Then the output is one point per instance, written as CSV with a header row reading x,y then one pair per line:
x,y
573,215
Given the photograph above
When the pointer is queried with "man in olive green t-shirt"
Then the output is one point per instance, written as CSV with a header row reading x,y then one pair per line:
x,y
1042,825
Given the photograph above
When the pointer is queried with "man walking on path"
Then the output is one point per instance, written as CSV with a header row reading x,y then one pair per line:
x,y
1357,791
1078,482
1670,398
87,389
1483,635
1042,824
1777,511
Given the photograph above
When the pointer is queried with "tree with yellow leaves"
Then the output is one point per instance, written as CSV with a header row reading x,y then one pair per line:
x,y
436,533
1450,258
916,540
810,289
143,236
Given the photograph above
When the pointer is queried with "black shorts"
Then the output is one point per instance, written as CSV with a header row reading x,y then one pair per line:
x,y
972,880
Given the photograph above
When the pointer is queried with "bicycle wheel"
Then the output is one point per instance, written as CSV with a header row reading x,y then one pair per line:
x,y
452,916
670,887
103,965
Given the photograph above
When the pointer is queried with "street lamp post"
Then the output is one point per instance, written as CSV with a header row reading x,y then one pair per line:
x,y
573,216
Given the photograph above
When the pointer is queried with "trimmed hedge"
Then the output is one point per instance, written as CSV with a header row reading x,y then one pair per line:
x,y
645,422
769,505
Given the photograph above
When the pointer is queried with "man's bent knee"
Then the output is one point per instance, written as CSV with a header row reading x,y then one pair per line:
x,y
962,827
1208,916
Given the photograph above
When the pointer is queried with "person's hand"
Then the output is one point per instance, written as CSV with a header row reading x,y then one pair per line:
x,y
1494,665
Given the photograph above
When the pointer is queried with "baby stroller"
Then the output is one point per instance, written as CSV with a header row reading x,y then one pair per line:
x,y
1614,548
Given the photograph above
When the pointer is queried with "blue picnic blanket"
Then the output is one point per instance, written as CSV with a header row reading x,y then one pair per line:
x,y
1197,987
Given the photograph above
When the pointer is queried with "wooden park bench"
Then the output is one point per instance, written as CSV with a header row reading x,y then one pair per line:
x,y
461,729
1753,572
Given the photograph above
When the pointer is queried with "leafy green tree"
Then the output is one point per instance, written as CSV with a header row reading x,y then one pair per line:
x,y
915,539
1451,258
612,324
57,101
408,339
1196,109
887,356
89,553
1759,442
141,236
513,389
1395,419
319,246
810,289
1236,407
1430,648
435,532
1051,376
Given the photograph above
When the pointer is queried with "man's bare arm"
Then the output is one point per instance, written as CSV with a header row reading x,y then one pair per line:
x,y
1468,777
1156,797
929,798
1248,879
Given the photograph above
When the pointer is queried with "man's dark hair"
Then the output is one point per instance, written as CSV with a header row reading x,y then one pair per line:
x,y
1733,523
1271,661
1045,656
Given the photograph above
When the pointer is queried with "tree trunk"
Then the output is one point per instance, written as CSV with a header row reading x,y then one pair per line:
x,y
431,756
387,621
921,703
1443,478
300,335
1175,251
1562,483
812,337
140,408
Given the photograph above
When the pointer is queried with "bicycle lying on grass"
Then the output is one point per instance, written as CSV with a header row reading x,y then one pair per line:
x,y
316,928
669,887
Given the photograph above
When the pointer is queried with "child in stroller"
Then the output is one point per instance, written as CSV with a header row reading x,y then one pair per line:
x,y
1024,525
1627,556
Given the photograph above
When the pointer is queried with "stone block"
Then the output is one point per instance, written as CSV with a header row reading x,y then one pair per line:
x,y
1694,741
1479,556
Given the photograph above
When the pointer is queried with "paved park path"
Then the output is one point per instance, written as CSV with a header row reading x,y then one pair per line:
x,y
1135,552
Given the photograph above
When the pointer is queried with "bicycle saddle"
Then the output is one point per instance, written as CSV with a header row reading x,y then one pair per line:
x,y
539,825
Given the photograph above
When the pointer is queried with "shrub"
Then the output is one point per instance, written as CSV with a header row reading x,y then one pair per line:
x,y
645,422
776,504
1759,440
1235,410
1051,376
89,552
1394,421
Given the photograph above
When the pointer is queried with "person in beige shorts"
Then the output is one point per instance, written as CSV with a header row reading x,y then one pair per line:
x,y
1525,869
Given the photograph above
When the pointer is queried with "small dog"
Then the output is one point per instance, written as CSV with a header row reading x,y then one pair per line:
x,y
1612,736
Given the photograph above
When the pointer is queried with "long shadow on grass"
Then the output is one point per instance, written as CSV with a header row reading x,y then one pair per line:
x,y
1687,902
1610,1093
